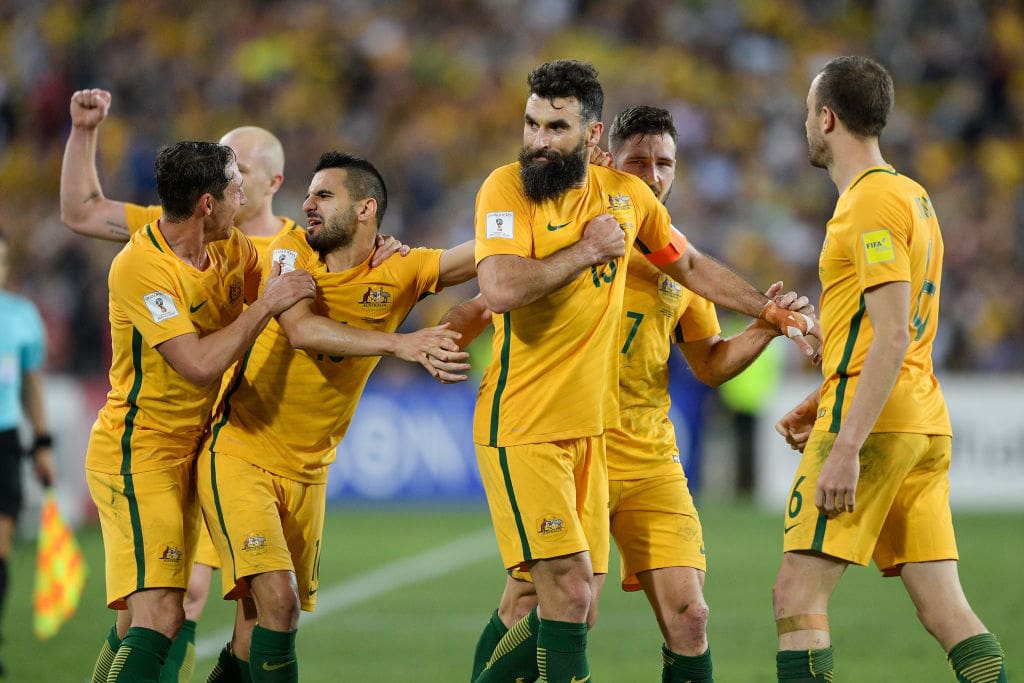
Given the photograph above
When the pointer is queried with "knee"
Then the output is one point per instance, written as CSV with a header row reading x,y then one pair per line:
x,y
167,621
687,628
782,594
277,600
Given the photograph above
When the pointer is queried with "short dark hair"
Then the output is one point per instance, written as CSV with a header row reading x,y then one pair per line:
x,y
642,120
859,90
187,170
364,180
569,78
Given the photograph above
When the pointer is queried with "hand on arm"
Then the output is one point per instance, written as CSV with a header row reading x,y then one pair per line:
x,y
203,360
888,309
42,449
715,360
468,319
83,208
714,281
508,282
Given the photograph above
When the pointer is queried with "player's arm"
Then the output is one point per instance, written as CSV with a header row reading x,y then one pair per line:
x,y
712,280
469,319
457,265
888,309
83,208
42,446
715,360
203,360
508,281
309,331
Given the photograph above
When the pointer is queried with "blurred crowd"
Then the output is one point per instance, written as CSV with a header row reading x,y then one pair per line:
x,y
433,93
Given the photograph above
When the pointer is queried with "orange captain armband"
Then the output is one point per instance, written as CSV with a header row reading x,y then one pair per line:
x,y
670,253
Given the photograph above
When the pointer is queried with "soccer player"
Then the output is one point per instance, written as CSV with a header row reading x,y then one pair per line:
x,y
177,323
653,519
876,436
551,234
87,211
22,351
262,473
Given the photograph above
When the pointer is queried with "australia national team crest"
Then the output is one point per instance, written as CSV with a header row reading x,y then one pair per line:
x,y
375,298
669,290
551,525
235,290
171,554
254,543
619,202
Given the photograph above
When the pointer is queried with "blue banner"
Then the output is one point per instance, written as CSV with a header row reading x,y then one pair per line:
x,y
414,442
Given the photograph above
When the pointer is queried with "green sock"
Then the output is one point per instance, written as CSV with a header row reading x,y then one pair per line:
x,y
802,666
181,660
562,652
106,657
978,659
140,656
226,669
272,656
492,634
678,668
243,668
515,655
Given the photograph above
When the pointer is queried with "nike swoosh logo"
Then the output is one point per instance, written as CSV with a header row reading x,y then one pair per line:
x,y
193,309
267,666
580,680
552,228
788,528
312,591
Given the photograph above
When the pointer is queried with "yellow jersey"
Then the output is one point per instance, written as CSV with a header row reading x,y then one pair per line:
x,y
289,409
153,417
555,369
137,216
884,229
657,311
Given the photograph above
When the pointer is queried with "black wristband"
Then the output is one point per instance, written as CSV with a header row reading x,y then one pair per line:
x,y
43,440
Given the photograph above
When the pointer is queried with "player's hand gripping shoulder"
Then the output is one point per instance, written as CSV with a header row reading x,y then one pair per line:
x,y
603,240
795,324
89,108
795,426
599,157
436,349
281,292
387,246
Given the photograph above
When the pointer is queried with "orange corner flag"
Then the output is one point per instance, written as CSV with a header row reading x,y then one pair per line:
x,y
60,572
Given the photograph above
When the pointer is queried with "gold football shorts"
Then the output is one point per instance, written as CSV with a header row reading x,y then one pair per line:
x,y
149,522
241,503
548,499
655,525
901,512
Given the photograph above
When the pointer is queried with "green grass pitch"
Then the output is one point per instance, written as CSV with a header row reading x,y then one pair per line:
x,y
394,611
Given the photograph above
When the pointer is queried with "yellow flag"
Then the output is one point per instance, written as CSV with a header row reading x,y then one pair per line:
x,y
60,572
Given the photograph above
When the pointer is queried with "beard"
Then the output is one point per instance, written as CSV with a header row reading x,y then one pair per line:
x,y
548,174
819,154
337,233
